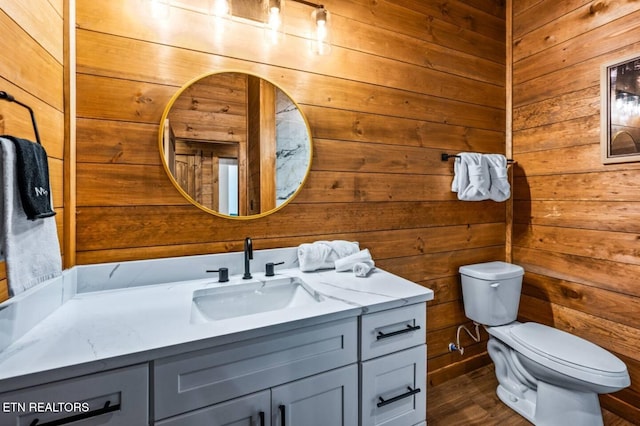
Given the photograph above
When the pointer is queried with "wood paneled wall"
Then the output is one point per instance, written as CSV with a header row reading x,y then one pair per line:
x,y
576,221
32,70
405,81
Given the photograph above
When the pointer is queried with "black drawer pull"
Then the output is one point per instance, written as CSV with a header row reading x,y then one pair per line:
x,y
409,329
108,408
283,421
407,394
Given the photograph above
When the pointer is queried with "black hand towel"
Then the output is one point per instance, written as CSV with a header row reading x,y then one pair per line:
x,y
33,178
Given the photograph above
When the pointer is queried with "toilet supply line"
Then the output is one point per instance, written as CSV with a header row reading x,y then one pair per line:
x,y
456,346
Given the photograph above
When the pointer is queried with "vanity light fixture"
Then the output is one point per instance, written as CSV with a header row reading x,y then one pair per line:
x,y
274,25
270,14
321,42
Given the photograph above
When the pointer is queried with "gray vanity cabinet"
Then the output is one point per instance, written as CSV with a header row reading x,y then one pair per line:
x,y
329,398
365,371
301,370
393,373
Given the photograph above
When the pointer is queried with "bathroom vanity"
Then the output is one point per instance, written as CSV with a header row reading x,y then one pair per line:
x,y
162,342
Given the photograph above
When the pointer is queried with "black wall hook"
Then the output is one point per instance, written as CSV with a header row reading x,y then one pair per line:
x,y
7,97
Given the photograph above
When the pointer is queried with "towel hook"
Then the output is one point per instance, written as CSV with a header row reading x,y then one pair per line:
x,y
7,97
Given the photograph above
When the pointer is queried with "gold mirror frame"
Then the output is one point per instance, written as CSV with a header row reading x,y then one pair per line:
x,y
166,162
620,110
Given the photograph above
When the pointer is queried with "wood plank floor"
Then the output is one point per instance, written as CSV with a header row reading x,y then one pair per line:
x,y
471,400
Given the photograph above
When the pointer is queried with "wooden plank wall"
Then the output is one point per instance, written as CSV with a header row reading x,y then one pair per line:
x,y
31,69
406,80
576,221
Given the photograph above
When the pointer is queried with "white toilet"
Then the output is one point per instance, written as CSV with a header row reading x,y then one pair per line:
x,y
548,376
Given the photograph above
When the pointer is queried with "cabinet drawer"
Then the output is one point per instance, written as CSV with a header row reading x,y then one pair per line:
x,y
126,391
246,410
394,389
393,330
189,381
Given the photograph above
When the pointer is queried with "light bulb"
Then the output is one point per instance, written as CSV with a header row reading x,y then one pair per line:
x,y
274,18
220,8
160,9
321,32
322,45
274,25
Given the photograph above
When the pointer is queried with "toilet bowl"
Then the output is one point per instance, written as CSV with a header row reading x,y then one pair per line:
x,y
548,376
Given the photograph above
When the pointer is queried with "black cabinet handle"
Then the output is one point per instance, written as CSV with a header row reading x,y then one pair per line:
x,y
407,394
409,329
283,421
261,415
108,408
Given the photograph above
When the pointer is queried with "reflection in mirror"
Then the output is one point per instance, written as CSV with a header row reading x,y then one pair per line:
x,y
235,144
622,141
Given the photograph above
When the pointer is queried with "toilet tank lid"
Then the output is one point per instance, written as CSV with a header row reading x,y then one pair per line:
x,y
492,270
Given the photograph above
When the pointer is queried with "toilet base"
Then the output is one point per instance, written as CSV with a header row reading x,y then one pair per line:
x,y
551,405
523,406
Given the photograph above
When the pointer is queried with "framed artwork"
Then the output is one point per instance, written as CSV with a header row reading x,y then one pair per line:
x,y
620,110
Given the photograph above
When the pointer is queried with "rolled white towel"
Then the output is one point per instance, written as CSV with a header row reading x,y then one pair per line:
x,y
360,263
346,263
362,269
323,254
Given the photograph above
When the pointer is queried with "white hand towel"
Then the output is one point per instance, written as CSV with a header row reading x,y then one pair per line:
x,y
362,269
500,189
323,254
30,247
360,263
471,179
346,263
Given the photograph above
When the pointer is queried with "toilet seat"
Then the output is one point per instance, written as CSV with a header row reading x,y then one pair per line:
x,y
566,348
563,352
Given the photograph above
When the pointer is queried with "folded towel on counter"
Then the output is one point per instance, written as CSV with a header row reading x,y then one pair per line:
x,y
323,254
471,177
33,178
362,269
30,247
360,263
500,190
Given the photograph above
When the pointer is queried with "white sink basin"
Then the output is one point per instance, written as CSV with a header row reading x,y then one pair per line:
x,y
254,297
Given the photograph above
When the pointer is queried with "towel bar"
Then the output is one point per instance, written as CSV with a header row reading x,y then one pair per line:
x,y
7,97
445,157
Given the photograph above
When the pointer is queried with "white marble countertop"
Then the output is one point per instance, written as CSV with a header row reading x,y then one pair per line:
x,y
99,330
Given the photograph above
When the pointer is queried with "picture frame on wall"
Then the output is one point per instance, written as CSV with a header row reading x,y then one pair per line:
x,y
620,110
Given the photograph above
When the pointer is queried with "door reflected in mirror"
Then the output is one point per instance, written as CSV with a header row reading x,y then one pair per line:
x,y
235,144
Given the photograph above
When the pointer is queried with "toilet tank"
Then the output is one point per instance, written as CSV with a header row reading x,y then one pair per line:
x,y
491,292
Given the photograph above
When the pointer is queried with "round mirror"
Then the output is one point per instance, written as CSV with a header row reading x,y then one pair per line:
x,y
235,144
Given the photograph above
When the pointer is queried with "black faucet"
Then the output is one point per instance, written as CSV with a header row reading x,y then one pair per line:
x,y
248,255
